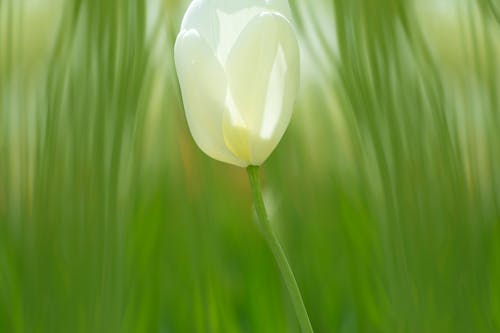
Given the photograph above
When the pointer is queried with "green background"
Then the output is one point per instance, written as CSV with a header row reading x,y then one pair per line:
x,y
384,190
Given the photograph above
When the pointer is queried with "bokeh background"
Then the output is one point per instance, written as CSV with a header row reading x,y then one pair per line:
x,y
384,190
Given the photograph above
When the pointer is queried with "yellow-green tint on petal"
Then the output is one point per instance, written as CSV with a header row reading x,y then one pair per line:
x,y
263,76
237,139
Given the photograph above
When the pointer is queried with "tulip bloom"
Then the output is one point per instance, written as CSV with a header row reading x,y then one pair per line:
x,y
238,68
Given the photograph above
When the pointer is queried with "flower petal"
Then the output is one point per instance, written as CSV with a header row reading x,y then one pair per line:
x,y
280,6
203,86
263,76
220,22
201,16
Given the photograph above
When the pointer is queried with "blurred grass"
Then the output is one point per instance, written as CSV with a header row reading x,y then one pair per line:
x,y
384,189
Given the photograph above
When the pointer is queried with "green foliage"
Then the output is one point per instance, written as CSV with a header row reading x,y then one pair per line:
x,y
384,189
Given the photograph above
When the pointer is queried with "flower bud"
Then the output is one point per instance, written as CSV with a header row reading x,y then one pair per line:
x,y
238,67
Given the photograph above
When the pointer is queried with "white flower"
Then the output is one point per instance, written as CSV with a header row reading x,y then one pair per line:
x,y
238,68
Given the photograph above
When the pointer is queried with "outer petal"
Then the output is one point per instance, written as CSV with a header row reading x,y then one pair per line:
x,y
229,6
201,16
221,21
280,6
263,76
203,86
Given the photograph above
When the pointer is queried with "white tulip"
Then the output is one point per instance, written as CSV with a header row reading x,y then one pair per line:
x,y
238,68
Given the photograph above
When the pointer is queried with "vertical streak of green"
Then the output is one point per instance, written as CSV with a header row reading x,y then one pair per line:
x,y
275,246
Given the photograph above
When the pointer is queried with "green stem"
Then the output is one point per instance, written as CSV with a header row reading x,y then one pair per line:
x,y
277,250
